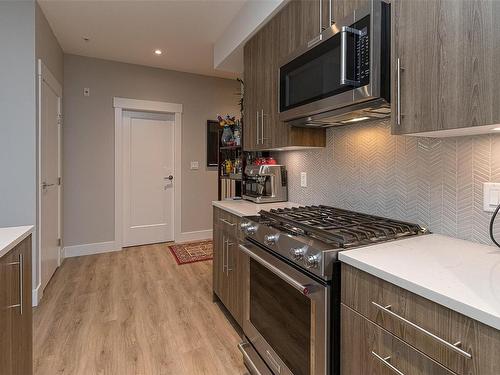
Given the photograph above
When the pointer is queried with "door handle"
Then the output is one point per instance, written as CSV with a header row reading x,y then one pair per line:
x,y
169,178
46,185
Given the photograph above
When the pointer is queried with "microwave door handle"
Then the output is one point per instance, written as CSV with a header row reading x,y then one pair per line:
x,y
275,270
330,13
343,55
320,17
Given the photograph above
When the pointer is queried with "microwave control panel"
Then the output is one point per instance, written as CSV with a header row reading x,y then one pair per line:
x,y
363,51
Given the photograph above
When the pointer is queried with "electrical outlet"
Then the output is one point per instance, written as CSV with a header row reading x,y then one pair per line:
x,y
86,91
195,165
303,179
491,196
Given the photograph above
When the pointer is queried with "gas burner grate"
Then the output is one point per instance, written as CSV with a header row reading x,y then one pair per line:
x,y
340,227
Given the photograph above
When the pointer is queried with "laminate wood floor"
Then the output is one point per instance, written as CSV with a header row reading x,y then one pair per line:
x,y
133,312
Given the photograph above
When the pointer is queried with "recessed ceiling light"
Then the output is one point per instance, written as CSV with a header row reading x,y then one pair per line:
x,y
86,38
158,52
496,129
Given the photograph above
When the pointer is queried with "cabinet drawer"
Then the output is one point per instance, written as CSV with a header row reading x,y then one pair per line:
x,y
229,223
456,341
368,349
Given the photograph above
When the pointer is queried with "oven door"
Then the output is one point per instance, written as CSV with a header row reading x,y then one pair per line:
x,y
286,315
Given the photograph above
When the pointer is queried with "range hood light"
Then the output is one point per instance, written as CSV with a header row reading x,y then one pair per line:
x,y
356,119
496,129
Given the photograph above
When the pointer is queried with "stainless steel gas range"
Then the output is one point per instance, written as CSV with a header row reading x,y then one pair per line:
x,y
292,293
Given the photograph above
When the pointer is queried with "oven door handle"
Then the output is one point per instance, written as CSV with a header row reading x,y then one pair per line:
x,y
304,289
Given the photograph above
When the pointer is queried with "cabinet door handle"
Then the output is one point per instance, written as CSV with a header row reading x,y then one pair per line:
x,y
223,254
455,347
227,254
386,362
257,130
398,90
262,115
20,263
227,222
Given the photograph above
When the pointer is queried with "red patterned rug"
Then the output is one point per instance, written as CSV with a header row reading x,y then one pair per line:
x,y
191,252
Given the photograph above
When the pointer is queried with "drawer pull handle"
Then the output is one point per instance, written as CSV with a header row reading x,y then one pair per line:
x,y
227,222
455,347
386,362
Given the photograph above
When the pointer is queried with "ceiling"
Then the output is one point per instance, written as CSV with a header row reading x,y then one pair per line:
x,y
130,31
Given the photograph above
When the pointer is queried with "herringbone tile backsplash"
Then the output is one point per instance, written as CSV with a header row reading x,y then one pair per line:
x,y
436,183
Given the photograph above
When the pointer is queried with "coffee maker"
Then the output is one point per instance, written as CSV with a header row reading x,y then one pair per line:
x,y
265,183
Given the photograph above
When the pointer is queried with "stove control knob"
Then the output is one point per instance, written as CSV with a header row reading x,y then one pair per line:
x,y
245,225
312,261
251,229
297,253
271,239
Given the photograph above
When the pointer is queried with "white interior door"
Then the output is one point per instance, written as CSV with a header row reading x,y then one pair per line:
x,y
148,178
50,173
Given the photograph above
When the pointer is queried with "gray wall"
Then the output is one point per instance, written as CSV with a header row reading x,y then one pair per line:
x,y
47,47
17,106
434,182
89,140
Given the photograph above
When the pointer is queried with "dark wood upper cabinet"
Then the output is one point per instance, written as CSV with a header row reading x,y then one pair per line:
x,y
295,25
448,52
343,8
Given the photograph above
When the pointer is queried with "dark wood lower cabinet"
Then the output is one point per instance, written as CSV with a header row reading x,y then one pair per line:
x,y
369,349
229,265
16,348
368,294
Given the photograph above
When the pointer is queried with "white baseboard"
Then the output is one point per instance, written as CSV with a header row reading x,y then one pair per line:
x,y
89,249
194,236
36,294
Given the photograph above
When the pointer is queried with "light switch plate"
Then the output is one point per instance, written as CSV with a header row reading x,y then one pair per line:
x,y
195,165
303,179
491,196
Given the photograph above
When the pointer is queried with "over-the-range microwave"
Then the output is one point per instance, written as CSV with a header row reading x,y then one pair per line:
x,y
343,76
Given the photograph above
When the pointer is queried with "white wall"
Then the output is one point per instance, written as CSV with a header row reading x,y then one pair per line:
x,y
228,49
18,123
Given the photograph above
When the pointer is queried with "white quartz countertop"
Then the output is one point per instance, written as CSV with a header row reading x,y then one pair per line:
x,y
460,275
10,237
246,208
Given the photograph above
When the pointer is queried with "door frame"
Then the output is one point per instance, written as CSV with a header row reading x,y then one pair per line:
x,y
126,104
44,75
